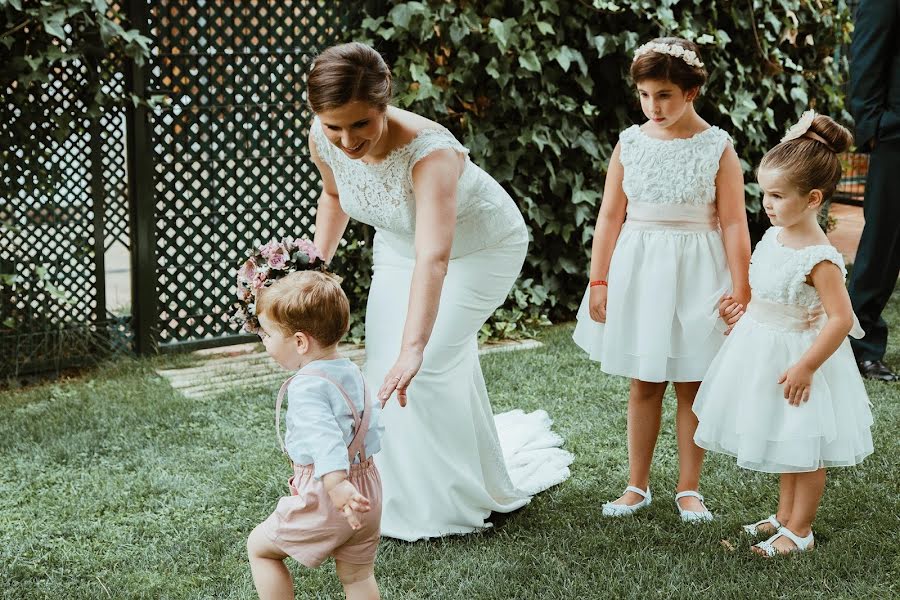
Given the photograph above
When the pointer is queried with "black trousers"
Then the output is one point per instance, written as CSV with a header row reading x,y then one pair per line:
x,y
878,258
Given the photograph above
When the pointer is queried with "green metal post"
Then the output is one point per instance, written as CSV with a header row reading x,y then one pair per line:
x,y
141,197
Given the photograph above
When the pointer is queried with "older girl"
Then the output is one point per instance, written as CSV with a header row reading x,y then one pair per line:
x,y
670,240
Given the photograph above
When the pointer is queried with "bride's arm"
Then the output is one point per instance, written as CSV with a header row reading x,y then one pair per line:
x,y
331,220
435,179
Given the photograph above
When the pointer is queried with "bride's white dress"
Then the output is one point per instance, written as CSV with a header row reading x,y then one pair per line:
x,y
446,462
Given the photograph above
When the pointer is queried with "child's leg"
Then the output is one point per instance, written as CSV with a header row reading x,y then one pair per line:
x,y
270,575
807,495
358,580
787,485
787,489
690,455
808,488
644,415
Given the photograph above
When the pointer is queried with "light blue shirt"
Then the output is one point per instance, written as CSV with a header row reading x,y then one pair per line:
x,y
319,422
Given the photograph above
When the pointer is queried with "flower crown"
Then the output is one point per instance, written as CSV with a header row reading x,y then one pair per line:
x,y
688,56
265,265
801,129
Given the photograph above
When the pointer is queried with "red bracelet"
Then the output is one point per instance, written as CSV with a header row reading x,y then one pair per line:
x,y
599,282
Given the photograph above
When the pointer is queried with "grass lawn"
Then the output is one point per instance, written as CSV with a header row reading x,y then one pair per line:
x,y
114,486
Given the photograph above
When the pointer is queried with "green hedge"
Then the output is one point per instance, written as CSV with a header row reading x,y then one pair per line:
x,y
538,90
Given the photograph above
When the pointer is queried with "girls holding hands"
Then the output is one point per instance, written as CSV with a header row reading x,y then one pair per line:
x,y
671,239
801,405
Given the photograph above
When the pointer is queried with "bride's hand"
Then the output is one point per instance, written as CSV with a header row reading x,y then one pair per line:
x,y
398,378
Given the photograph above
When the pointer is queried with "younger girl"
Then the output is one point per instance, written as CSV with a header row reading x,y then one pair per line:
x,y
333,430
671,239
784,394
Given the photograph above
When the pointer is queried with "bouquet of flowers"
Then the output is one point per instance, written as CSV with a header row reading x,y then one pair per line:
x,y
268,263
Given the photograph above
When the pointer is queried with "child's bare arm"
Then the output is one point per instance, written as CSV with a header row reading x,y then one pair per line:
x,y
733,220
606,233
829,283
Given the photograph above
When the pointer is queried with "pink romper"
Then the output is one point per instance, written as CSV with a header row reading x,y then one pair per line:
x,y
306,525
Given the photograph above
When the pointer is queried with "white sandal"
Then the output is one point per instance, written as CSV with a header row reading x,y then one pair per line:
x,y
624,510
802,543
692,516
753,529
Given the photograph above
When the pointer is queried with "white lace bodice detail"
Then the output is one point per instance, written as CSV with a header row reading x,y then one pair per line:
x,y
679,171
778,273
381,194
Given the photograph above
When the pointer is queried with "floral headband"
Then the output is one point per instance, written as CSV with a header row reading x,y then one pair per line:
x,y
688,56
263,267
801,129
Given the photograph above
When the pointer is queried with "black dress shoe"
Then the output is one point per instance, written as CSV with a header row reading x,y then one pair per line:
x,y
875,369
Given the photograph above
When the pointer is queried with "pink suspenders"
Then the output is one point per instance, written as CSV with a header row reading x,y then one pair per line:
x,y
360,423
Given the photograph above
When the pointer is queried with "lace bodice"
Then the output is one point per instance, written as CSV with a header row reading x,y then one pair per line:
x,y
381,194
778,273
679,171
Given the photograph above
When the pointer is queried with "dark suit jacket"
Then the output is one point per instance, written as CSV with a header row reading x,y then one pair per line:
x,y
875,72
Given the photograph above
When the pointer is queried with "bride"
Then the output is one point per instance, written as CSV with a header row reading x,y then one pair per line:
x,y
449,245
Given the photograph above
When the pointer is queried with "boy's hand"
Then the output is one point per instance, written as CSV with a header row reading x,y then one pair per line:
x,y
350,502
797,383
730,310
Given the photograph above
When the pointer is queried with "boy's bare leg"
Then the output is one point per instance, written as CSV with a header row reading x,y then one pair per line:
x,y
358,580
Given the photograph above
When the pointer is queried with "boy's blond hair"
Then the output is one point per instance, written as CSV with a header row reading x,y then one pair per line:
x,y
308,301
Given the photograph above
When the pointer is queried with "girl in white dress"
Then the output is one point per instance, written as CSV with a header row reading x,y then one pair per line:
x,y
784,394
448,236
671,239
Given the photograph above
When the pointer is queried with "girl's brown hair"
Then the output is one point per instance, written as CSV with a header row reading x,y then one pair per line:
x,y
347,73
810,164
662,67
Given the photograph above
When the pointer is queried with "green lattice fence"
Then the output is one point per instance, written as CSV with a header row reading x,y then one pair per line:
x,y
230,167
61,209
187,188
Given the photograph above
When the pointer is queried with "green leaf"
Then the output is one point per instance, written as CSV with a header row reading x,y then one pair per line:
x,y
501,30
372,24
529,61
799,94
458,32
602,44
565,55
57,293
544,27
34,62
55,29
418,73
551,6
401,15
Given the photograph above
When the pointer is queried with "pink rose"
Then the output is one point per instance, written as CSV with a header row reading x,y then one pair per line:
x,y
308,248
269,249
247,270
277,260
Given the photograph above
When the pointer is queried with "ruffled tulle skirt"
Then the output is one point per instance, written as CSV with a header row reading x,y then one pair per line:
x,y
743,412
662,320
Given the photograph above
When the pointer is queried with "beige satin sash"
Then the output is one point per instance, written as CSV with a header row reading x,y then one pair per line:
x,y
676,217
792,317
